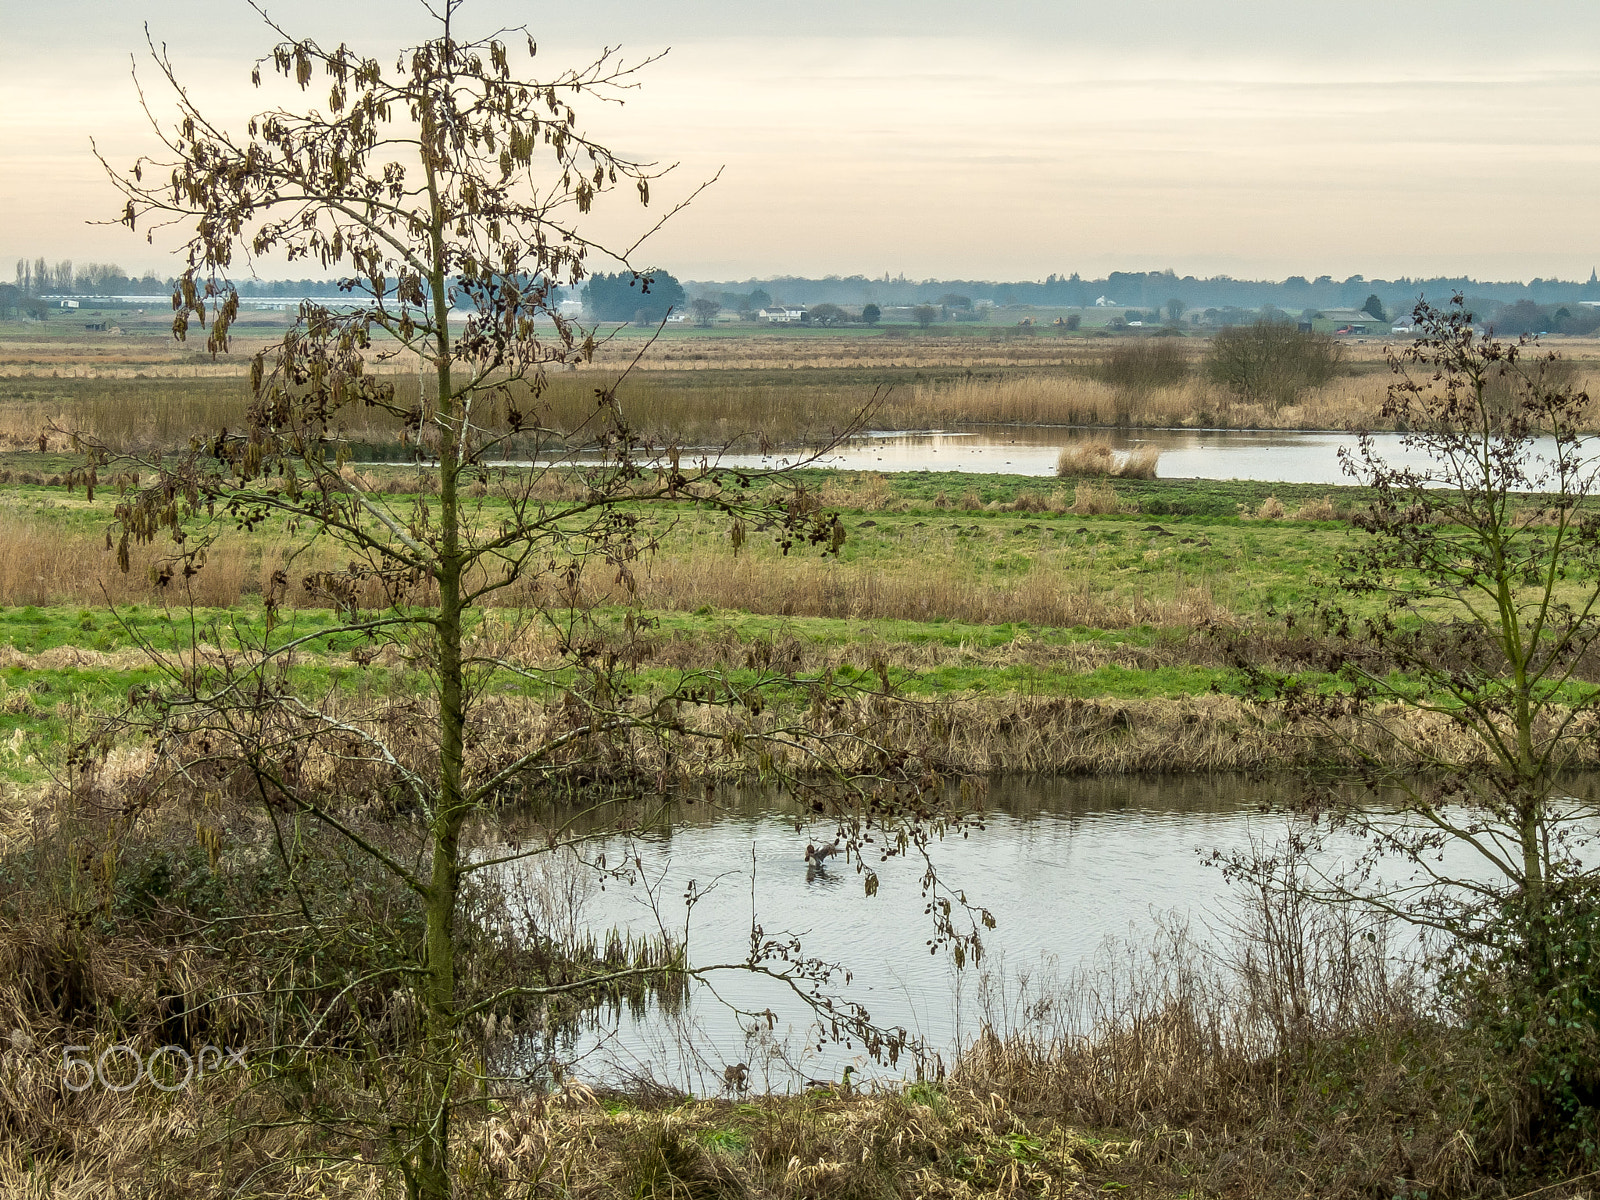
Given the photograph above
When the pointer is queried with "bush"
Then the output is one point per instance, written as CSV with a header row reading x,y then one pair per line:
x,y
1144,366
1271,363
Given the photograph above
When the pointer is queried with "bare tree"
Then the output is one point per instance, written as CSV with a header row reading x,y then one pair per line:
x,y
1455,659
705,310
455,180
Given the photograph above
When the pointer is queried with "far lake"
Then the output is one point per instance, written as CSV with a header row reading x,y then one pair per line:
x,y
1263,456
1271,456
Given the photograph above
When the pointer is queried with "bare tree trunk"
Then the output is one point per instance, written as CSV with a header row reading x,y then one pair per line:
x,y
440,1050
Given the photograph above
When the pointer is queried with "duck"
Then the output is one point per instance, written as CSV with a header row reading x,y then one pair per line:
x,y
817,855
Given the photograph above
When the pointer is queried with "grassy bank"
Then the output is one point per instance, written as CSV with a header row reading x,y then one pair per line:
x,y
1057,626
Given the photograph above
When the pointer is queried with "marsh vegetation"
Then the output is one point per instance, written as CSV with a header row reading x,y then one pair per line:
x,y
223,751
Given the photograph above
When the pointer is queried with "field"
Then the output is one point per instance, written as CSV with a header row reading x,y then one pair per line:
x,y
1060,625
700,387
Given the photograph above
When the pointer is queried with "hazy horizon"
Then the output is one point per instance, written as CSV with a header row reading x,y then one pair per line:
x,y
934,141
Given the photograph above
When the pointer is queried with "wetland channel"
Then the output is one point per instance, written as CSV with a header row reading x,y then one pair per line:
x,y
1263,456
1082,875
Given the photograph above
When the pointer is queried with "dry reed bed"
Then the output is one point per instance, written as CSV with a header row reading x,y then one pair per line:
x,y
1348,402
1323,1074
962,1141
982,735
40,566
221,1140
713,410
726,403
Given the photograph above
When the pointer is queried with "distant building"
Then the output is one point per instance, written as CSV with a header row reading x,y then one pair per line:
x,y
783,314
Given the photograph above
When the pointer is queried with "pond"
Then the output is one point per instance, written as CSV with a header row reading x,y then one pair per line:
x,y
1264,456
1068,867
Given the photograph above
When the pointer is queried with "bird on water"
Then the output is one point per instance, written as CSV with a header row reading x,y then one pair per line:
x,y
817,855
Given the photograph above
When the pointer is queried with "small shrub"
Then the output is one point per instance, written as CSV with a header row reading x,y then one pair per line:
x,y
864,493
1140,463
1271,510
1086,458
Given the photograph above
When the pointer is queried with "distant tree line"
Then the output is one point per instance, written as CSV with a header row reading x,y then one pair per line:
x,y
1152,291
1153,297
643,299
1514,320
37,277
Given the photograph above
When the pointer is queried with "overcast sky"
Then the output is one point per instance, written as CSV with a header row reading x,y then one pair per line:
x,y
942,138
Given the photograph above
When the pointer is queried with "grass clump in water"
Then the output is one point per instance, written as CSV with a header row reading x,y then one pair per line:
x,y
1102,459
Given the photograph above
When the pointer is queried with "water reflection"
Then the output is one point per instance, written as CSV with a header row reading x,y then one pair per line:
x,y
1266,456
1064,865
1061,863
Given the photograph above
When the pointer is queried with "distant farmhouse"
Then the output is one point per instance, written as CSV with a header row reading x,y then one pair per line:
x,y
783,314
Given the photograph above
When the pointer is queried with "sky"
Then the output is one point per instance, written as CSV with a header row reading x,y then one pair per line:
x,y
942,138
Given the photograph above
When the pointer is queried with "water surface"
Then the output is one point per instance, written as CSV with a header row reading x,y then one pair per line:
x,y
1265,456
1064,865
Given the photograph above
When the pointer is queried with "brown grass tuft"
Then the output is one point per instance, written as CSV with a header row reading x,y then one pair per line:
x,y
1317,510
1102,459
1095,499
